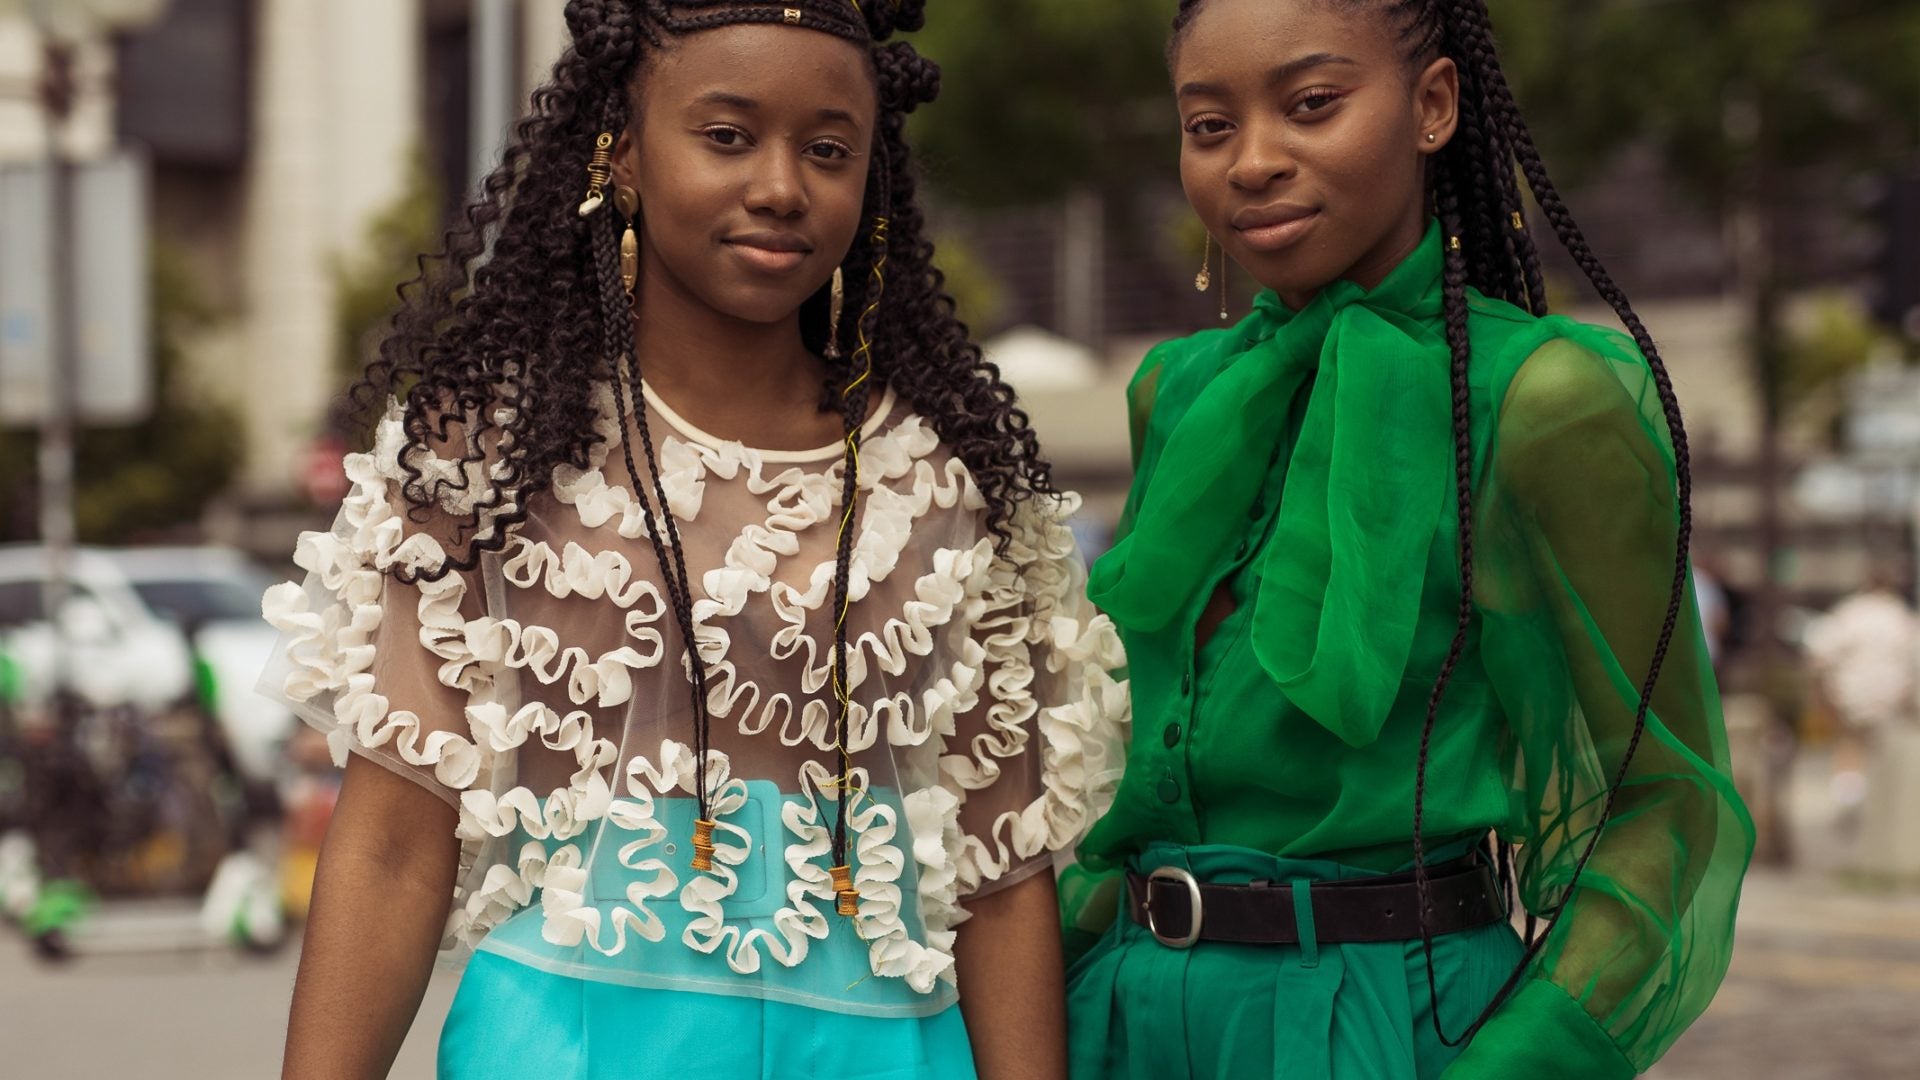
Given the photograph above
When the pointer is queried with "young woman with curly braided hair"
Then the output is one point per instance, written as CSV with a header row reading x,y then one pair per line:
x,y
703,624
1403,585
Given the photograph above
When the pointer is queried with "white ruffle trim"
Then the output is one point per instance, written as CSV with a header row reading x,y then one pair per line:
x,y
1013,626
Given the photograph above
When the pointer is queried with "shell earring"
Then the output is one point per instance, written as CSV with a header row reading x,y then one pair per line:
x,y
1203,280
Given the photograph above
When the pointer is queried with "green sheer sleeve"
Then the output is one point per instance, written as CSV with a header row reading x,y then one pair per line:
x,y
1090,899
1142,394
1575,565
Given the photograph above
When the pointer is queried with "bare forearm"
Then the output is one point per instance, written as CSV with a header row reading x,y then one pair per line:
x,y
377,915
1012,992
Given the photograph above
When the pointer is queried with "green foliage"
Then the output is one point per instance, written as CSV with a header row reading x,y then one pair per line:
x,y
153,477
978,295
1838,340
366,282
1719,87
1040,97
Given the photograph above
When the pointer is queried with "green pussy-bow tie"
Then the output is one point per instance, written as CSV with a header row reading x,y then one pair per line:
x,y
1341,579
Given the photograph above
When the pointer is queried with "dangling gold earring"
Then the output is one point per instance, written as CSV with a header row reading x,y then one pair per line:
x,y
836,303
627,201
1223,283
1203,280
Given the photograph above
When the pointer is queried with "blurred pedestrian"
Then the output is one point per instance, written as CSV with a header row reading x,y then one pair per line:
x,y
1864,652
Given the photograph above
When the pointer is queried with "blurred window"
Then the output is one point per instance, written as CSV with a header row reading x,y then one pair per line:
x,y
19,602
183,84
191,602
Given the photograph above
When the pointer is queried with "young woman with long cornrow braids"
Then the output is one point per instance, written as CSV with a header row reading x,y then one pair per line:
x,y
1403,585
703,629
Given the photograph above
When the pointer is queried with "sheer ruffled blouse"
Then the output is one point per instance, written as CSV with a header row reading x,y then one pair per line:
x,y
546,696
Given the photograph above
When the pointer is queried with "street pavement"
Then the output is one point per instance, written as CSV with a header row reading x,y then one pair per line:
x,y
191,1016
1825,985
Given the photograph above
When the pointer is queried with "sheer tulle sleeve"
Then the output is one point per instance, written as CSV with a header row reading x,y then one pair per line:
x,y
1035,761
1575,565
1143,392
1089,898
378,665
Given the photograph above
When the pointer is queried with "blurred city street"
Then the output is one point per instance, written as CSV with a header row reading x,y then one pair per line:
x,y
213,215
211,1016
1825,985
1825,982
168,1019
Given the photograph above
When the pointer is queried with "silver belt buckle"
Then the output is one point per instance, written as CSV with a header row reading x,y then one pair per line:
x,y
1183,877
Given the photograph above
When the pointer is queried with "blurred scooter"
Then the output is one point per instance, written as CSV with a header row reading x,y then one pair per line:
x,y
241,909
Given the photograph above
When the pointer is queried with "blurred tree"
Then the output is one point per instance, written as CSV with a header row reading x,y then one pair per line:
x,y
367,281
1838,340
1039,99
1063,102
977,294
150,478
1739,97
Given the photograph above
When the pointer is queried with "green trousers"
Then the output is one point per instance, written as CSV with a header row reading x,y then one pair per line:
x,y
1139,1010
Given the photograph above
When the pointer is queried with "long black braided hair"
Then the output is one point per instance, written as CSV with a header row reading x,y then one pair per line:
x,y
1476,195
504,334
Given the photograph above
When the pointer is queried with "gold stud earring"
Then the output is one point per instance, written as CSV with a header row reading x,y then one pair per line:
x,y
627,201
1203,280
836,304
1432,138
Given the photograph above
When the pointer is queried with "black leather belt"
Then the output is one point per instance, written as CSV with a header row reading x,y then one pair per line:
x,y
1180,910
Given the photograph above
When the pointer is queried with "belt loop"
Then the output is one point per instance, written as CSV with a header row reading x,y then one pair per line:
x,y
1303,922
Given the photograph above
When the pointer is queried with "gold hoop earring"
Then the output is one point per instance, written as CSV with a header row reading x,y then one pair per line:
x,y
1203,280
836,304
627,201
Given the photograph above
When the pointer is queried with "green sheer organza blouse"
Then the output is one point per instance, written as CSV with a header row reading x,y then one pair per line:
x,y
1305,463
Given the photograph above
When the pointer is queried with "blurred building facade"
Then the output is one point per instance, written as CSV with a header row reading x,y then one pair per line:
x,y
278,130
275,131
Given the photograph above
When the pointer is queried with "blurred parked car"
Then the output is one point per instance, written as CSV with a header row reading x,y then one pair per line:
x,y
212,595
119,652
150,627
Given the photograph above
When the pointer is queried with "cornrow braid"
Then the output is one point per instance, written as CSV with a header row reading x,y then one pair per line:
x,y
1477,197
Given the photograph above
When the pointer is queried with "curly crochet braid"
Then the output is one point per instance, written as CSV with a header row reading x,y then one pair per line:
x,y
503,334
509,351
1476,196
